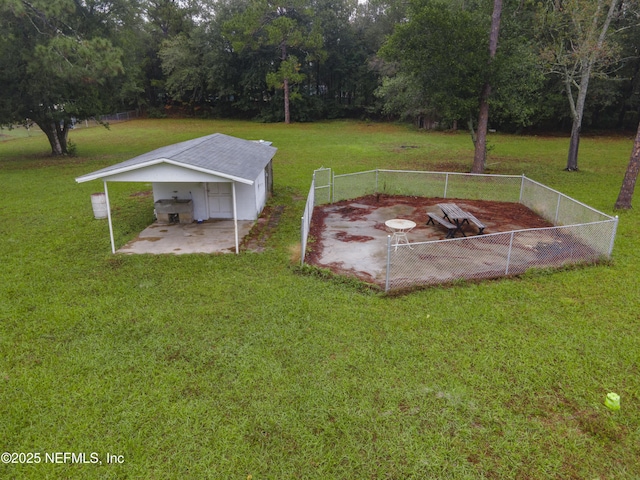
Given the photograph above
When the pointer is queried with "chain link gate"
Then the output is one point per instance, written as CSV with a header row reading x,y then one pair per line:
x,y
323,182
319,193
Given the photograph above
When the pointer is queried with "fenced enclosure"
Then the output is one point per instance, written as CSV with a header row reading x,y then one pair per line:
x,y
580,234
426,184
110,118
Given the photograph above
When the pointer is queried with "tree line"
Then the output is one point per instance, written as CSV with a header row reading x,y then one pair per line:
x,y
509,65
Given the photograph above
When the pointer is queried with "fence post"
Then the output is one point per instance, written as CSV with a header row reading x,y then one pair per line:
x,y
303,246
521,188
506,272
446,184
332,187
377,171
386,282
613,235
555,221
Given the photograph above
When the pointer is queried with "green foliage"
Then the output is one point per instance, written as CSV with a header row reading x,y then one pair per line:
x,y
64,71
445,49
72,148
69,60
289,69
183,67
576,45
440,60
518,84
403,97
206,57
282,26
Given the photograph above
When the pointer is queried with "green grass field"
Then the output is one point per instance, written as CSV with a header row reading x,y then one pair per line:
x,y
236,367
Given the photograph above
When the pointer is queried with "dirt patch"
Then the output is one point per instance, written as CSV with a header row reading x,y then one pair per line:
x,y
147,239
497,216
350,237
345,237
451,167
263,229
143,194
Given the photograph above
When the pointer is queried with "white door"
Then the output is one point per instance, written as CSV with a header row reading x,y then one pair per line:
x,y
220,200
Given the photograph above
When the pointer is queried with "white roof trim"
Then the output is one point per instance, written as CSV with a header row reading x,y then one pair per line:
x,y
210,172
96,176
105,175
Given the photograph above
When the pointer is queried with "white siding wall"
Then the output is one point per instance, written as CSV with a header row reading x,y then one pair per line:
x,y
261,192
188,191
162,173
246,202
250,199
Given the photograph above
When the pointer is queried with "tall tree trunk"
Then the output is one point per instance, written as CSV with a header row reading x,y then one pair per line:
x,y
285,87
587,64
629,183
480,154
56,134
577,111
287,113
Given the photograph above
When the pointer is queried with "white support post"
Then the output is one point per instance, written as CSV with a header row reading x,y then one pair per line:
x,y
332,187
386,283
106,197
377,172
303,245
235,215
613,235
506,272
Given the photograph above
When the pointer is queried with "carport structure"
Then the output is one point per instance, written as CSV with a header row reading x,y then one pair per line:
x,y
218,176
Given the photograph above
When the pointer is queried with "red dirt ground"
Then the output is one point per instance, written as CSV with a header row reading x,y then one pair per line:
x,y
497,216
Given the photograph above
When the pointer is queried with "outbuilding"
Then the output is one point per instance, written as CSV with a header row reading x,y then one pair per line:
x,y
212,177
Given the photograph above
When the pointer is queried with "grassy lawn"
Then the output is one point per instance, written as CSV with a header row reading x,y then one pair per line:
x,y
225,366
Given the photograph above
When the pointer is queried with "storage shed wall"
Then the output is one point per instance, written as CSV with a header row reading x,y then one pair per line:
x,y
184,191
262,191
246,202
250,199
163,172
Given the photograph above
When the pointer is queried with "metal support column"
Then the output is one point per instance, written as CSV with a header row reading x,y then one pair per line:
x,y
235,215
106,196
386,283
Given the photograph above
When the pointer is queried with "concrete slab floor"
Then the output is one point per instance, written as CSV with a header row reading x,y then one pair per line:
x,y
211,236
359,243
350,237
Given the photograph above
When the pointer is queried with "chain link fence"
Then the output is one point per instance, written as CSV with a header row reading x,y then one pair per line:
x,y
120,116
494,255
307,216
504,188
112,117
319,194
580,233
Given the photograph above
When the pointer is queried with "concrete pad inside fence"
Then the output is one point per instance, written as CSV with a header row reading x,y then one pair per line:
x,y
350,237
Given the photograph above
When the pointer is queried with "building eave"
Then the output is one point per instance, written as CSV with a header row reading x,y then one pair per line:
x,y
104,175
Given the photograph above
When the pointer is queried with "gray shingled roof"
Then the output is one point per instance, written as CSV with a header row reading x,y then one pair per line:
x,y
217,154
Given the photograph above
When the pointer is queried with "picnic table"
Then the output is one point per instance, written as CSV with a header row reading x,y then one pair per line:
x,y
454,217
